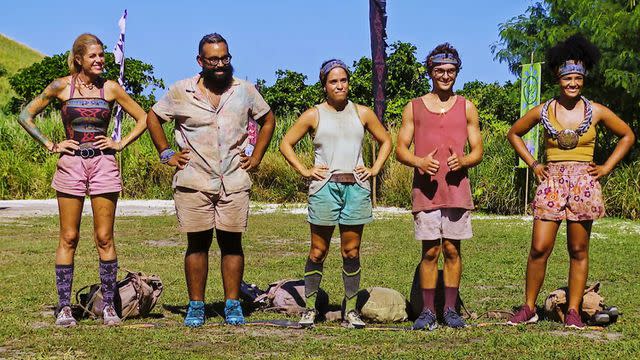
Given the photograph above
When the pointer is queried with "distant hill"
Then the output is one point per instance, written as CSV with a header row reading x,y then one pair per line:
x,y
13,57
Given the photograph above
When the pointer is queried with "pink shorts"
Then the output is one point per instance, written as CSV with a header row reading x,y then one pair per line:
x,y
78,176
446,223
569,193
199,211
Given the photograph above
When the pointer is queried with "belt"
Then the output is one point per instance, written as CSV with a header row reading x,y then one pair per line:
x,y
345,178
91,152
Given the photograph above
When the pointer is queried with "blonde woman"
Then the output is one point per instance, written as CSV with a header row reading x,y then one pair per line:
x,y
87,165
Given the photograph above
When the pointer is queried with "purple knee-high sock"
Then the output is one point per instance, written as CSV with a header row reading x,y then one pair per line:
x,y
450,297
108,278
64,280
429,299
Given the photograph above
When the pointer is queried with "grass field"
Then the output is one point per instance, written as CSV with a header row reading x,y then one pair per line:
x,y
275,248
13,57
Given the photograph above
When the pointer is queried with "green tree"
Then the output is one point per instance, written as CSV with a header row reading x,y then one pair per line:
x,y
495,102
612,25
289,94
31,81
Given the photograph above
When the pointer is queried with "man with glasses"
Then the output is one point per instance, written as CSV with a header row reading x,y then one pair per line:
x,y
211,184
441,124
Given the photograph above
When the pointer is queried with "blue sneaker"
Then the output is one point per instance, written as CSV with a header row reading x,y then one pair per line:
x,y
453,319
195,314
426,320
233,312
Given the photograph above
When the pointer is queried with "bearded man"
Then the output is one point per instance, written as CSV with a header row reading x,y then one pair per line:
x,y
211,184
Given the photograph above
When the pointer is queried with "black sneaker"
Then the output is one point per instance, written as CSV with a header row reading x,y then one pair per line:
x,y
453,320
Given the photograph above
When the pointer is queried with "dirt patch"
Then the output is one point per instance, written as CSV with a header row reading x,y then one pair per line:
x,y
163,243
590,334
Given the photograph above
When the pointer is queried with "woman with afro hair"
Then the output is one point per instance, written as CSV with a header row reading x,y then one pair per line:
x,y
569,187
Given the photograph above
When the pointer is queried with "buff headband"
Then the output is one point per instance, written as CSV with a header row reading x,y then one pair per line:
x,y
332,65
571,68
443,58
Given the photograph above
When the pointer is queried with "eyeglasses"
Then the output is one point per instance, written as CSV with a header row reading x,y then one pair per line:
x,y
440,72
212,61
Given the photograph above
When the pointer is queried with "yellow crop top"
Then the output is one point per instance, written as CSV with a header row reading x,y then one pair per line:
x,y
582,152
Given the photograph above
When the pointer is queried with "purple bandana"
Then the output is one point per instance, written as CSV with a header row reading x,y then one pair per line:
x,y
571,68
332,65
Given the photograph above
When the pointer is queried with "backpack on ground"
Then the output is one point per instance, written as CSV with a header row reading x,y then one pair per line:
x,y
379,304
592,309
415,297
137,294
288,296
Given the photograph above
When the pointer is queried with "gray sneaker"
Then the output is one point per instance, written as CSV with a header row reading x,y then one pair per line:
x,y
65,317
353,320
308,318
109,316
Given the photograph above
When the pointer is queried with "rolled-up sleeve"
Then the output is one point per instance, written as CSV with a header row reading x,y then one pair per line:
x,y
165,108
258,107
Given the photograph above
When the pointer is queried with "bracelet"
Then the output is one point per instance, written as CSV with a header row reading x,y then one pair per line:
x,y
166,155
534,164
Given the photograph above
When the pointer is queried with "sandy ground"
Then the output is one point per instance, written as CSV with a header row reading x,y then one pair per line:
x,y
12,209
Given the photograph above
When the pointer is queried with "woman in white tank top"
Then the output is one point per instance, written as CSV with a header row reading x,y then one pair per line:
x,y
339,193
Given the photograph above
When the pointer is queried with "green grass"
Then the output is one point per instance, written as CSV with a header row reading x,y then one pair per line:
x,y
13,57
275,248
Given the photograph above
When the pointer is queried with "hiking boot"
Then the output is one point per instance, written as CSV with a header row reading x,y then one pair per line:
x,y
453,320
195,314
308,318
353,321
572,320
65,317
524,316
233,312
426,321
109,316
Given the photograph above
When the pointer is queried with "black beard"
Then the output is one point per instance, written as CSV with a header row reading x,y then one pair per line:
x,y
218,81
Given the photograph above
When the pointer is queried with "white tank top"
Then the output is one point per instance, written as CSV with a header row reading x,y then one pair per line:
x,y
338,143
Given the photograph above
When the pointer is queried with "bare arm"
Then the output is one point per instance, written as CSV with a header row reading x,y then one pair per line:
x,y
474,157
179,159
34,107
382,137
518,129
305,123
626,140
132,108
267,124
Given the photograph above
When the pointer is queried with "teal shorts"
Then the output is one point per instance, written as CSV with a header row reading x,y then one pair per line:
x,y
338,203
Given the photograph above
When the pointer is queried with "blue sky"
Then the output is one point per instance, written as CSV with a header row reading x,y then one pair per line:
x,y
266,35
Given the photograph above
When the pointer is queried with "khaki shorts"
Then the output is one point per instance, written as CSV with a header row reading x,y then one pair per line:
x,y
200,211
447,223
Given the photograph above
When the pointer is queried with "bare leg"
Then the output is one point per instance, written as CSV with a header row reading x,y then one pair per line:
x,y
104,212
452,262
543,240
196,263
429,264
231,263
70,209
578,234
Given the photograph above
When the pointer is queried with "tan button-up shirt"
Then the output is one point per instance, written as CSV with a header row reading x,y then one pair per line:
x,y
215,136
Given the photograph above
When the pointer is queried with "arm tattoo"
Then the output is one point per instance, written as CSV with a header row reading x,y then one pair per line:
x,y
26,117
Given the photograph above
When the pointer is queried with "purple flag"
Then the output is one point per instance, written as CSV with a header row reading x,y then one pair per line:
x,y
118,53
378,26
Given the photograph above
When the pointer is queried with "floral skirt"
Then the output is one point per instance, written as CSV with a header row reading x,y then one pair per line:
x,y
569,193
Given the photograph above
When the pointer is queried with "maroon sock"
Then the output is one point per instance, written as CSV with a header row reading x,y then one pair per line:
x,y
429,299
450,297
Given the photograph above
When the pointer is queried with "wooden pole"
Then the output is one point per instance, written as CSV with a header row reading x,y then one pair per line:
x,y
374,190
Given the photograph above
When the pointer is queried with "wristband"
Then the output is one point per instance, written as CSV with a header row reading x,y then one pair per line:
x,y
166,155
534,164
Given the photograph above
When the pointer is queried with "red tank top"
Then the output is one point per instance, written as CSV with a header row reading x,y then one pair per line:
x,y
447,189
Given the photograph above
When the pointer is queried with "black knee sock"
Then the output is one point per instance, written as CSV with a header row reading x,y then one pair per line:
x,y
351,279
312,278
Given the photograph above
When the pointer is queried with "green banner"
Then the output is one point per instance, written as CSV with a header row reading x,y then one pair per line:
x,y
530,98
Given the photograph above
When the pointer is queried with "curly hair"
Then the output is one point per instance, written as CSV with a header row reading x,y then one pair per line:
x,y
445,48
577,48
